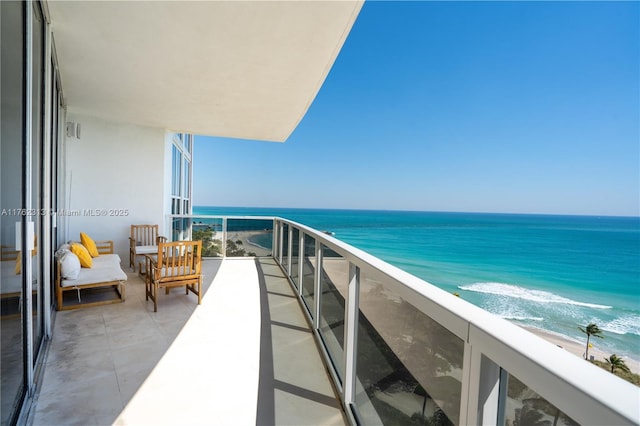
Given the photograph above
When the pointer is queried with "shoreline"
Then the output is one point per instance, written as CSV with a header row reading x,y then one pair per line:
x,y
578,348
248,245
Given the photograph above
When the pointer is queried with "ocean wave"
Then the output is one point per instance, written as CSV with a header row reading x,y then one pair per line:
x,y
520,317
628,324
516,292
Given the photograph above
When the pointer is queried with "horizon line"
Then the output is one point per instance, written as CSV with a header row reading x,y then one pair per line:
x,y
424,211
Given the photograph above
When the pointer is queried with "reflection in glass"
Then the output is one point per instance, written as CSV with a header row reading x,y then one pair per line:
x,y
409,367
525,407
308,271
209,231
181,229
176,161
37,192
12,358
285,246
295,257
249,237
334,286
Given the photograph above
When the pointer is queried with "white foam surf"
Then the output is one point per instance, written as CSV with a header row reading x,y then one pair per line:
x,y
520,318
517,292
627,324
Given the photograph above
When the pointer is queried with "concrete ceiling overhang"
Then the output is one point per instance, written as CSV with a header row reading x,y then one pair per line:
x,y
240,69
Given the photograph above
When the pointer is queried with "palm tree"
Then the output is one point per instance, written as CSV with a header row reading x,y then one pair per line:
x,y
616,362
591,330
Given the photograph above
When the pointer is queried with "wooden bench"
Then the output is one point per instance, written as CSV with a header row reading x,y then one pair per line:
x,y
105,272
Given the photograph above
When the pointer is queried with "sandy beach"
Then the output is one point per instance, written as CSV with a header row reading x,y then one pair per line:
x,y
245,236
577,348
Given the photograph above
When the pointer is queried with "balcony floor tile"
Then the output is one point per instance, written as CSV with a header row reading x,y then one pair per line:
x,y
244,356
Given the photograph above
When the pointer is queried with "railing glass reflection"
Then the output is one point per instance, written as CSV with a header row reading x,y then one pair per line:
x,y
308,272
249,237
285,247
334,280
525,407
209,231
295,257
409,366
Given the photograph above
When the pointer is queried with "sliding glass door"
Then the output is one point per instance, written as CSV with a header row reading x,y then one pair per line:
x,y
12,173
37,212
29,168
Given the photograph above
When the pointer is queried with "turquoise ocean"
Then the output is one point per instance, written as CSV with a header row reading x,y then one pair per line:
x,y
549,272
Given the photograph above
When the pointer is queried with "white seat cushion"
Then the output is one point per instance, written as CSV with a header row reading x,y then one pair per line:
x,y
105,268
146,249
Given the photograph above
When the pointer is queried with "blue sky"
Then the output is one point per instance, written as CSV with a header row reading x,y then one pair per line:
x,y
511,107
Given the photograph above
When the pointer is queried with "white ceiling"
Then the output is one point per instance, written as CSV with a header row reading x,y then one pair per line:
x,y
242,69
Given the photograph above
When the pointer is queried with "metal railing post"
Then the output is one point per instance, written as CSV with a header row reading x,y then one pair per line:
x,y
224,237
289,250
317,284
351,335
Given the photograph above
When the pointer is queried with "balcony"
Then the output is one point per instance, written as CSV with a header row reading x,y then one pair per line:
x,y
295,337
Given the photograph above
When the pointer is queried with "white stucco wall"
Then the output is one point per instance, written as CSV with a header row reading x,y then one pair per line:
x,y
168,163
114,166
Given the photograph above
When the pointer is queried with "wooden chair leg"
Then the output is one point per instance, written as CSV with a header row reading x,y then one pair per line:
x,y
59,297
155,298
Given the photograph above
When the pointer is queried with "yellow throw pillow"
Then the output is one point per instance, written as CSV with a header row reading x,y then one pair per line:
x,y
83,255
89,244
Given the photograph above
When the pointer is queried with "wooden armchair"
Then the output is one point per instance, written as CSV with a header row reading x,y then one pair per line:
x,y
144,239
177,264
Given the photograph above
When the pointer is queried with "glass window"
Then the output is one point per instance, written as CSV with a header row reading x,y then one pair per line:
x,y
12,357
186,180
175,172
181,187
188,142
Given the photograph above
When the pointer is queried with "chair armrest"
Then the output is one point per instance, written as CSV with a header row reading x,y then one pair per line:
x,y
160,239
150,265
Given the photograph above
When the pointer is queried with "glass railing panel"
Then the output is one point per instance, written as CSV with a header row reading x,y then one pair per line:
x,y
334,287
295,257
489,392
249,237
285,247
409,367
308,270
525,407
209,231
